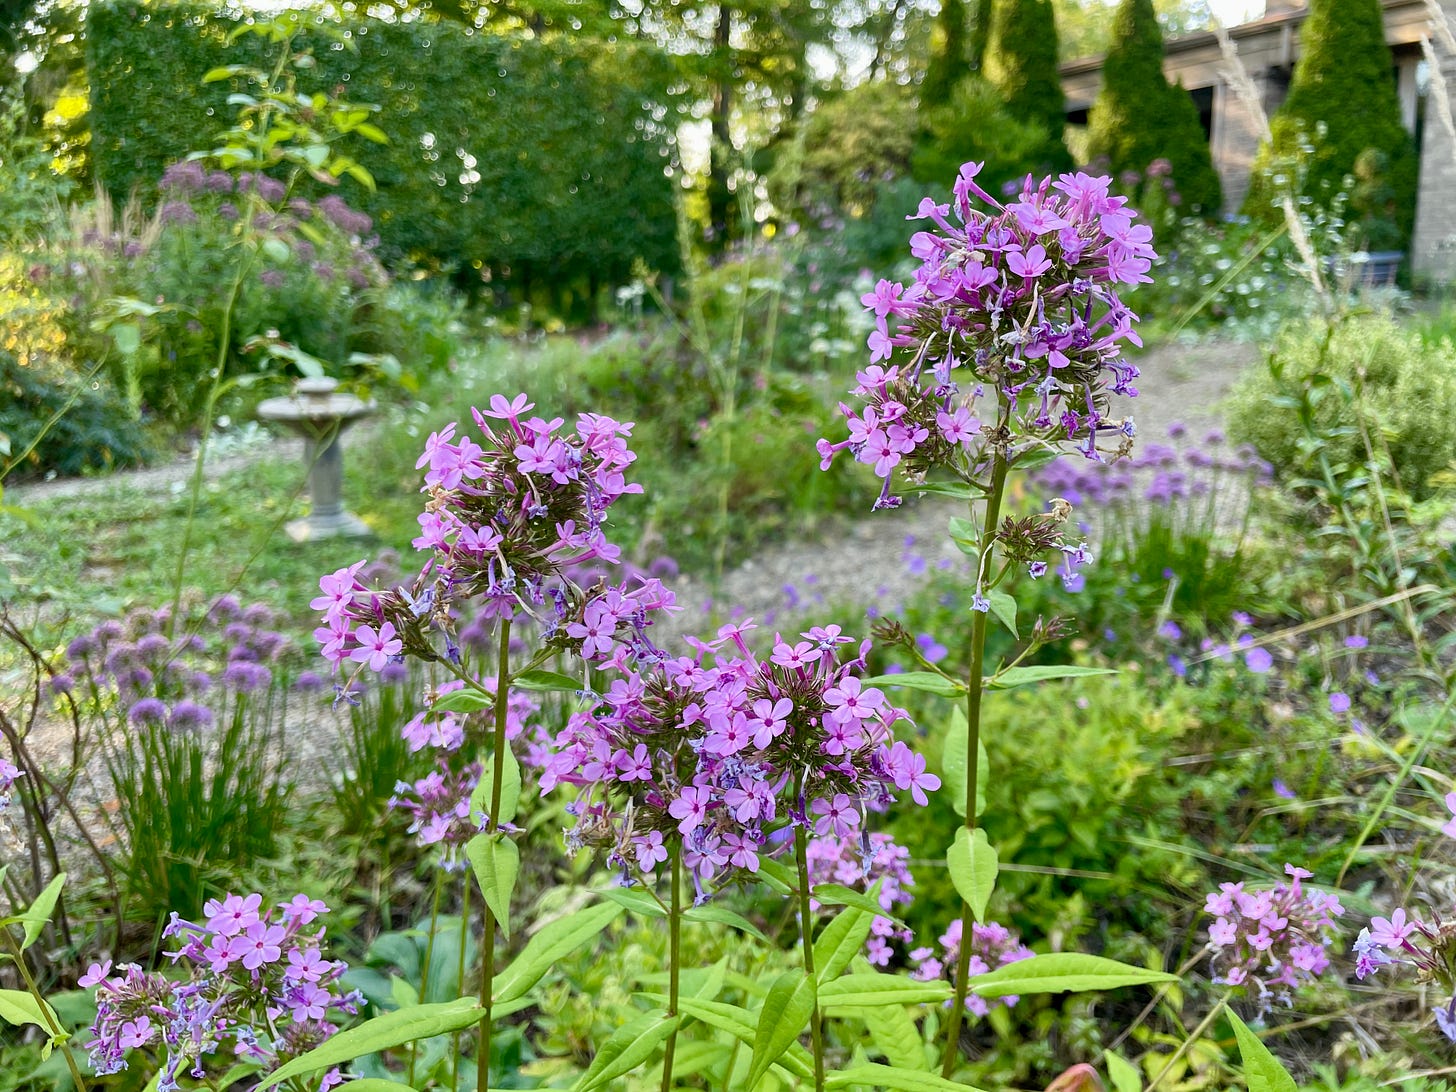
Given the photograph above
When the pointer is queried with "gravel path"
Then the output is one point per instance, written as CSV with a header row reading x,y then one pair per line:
x,y
863,555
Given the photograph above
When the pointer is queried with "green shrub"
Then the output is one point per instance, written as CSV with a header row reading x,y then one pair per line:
x,y
510,160
1373,372
52,419
976,123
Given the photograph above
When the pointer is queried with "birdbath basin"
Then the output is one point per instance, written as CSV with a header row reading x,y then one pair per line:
x,y
319,413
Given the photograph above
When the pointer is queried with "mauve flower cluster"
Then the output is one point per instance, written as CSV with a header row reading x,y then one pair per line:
x,y
1403,939
9,773
188,186
727,751
992,946
1271,942
438,804
1165,476
502,520
256,982
1021,305
188,681
867,860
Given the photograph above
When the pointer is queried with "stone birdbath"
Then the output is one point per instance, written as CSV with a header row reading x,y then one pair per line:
x,y
319,413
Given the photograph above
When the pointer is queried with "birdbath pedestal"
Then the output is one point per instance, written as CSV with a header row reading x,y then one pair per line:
x,y
319,413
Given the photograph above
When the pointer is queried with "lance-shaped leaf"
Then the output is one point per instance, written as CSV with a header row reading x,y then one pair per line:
x,y
973,868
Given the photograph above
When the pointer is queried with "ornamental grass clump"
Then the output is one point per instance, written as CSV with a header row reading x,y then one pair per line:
x,y
190,713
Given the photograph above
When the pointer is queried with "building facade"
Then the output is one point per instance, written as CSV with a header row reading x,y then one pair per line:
x,y
1268,48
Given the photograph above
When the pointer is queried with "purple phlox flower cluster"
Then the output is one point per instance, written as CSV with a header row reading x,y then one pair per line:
x,y
1403,939
725,750
503,519
253,981
864,861
1019,303
187,681
992,946
1158,474
9,774
1271,941
438,805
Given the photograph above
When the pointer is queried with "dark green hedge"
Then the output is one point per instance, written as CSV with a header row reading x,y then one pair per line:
x,y
570,158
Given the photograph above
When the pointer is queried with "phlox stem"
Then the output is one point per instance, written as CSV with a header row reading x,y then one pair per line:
x,y
1183,1048
806,939
56,1031
975,683
674,936
487,973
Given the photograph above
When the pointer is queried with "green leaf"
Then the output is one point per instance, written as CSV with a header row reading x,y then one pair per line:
x,y
953,764
836,894
496,862
128,338
630,1046
19,1007
384,1032
559,938
40,911
871,988
1021,676
893,1077
928,681
510,788
721,915
1063,972
973,868
965,535
1036,457
957,490
462,701
1262,1071
894,1033
785,1013
840,941
377,1084
778,876
639,902
1003,606
213,75
1122,1073
737,1022
546,682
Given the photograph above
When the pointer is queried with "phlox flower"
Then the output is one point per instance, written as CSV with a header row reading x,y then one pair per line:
x,y
1270,942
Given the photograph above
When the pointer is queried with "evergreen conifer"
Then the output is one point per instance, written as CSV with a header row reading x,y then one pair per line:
x,y
1139,117
1344,80
1021,61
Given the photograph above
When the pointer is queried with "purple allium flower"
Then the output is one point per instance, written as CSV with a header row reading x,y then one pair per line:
x,y
1270,942
147,711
